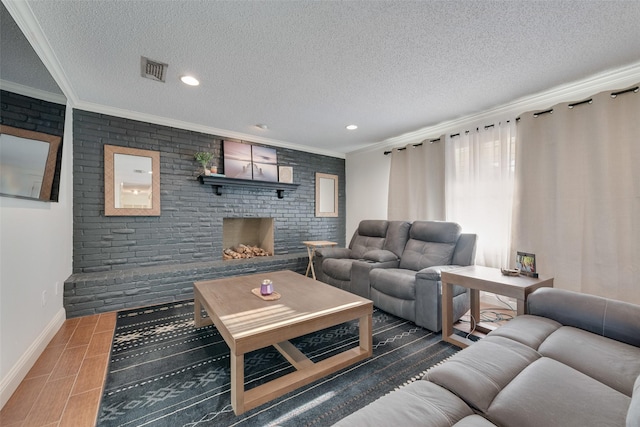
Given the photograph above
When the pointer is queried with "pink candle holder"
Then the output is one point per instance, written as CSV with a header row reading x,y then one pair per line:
x,y
266,288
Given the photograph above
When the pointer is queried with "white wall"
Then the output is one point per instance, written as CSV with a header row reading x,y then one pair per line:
x,y
367,187
36,243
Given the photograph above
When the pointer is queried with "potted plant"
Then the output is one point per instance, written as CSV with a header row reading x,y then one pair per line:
x,y
203,158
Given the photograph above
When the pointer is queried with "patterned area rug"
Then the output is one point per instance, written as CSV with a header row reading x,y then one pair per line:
x,y
165,372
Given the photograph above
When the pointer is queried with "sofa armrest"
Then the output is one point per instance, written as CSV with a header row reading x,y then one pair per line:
x,y
433,273
429,297
360,283
607,317
380,255
333,252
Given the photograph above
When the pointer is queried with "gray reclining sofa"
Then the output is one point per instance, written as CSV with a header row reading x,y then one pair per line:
x,y
572,361
376,243
397,265
413,289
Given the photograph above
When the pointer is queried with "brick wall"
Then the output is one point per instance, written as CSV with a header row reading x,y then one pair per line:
x,y
33,114
123,262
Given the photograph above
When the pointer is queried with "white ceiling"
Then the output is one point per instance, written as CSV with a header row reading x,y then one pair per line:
x,y
308,69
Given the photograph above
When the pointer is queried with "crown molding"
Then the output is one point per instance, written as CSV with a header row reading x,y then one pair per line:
x,y
165,121
56,98
609,80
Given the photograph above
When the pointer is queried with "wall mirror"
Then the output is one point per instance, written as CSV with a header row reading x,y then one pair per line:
x,y
326,194
131,182
27,163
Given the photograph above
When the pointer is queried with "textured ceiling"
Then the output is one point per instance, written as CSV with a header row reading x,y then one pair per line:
x,y
307,69
19,63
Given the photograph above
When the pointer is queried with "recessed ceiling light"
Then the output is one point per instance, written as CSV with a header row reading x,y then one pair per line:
x,y
352,127
262,126
189,80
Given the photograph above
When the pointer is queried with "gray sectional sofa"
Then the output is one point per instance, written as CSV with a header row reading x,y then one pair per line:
x,y
572,361
397,265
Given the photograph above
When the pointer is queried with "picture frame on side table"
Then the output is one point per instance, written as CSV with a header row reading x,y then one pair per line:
x,y
526,263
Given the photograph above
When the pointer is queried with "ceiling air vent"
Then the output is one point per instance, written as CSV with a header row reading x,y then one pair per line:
x,y
153,70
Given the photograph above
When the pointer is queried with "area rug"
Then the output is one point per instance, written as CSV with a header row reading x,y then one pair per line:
x,y
165,372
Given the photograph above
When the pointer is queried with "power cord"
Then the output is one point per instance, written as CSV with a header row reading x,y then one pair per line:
x,y
472,329
505,303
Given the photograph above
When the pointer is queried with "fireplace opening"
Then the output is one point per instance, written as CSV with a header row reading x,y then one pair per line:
x,y
247,237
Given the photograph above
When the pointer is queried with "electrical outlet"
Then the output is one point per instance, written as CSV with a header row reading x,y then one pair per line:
x,y
44,298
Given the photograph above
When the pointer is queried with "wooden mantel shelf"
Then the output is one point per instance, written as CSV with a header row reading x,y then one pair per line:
x,y
217,182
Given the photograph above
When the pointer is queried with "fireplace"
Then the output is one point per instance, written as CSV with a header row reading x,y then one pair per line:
x,y
243,232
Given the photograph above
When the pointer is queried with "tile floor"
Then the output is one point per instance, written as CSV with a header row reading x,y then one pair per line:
x,y
65,385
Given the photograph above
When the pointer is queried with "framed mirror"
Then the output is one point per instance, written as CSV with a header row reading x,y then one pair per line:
x,y
131,182
27,163
326,195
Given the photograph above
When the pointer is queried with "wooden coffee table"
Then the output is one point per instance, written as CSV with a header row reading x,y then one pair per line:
x,y
247,323
479,278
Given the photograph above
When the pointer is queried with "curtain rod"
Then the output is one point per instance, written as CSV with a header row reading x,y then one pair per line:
x,y
539,113
633,89
431,141
586,101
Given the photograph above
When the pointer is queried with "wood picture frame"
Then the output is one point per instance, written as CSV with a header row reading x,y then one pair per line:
x,y
326,195
131,181
17,161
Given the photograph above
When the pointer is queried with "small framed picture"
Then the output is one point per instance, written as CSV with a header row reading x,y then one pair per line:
x,y
285,174
265,163
526,263
237,160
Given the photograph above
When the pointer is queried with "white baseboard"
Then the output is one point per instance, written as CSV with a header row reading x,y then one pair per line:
x,y
10,383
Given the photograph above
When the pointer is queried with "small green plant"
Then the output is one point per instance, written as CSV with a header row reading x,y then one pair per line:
x,y
203,158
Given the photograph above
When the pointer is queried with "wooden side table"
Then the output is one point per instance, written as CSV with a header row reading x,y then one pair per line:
x,y
479,278
312,245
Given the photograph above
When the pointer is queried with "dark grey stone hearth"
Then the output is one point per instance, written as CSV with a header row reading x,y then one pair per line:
x,y
90,293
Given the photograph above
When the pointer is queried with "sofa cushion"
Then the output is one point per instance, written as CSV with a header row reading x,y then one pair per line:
x,y
482,370
418,254
419,403
363,244
528,330
549,393
394,282
380,255
474,421
610,318
397,236
373,227
435,231
371,235
430,243
611,362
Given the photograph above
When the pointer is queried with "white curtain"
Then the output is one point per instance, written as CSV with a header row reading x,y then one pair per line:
x,y
479,183
578,194
416,182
